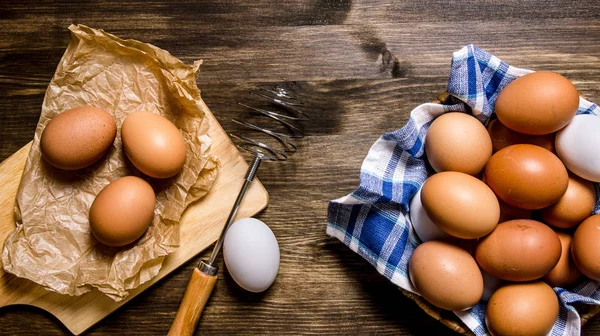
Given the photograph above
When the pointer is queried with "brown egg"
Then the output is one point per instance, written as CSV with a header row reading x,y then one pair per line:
x,y
574,206
585,249
460,204
527,176
509,212
565,273
122,211
459,142
446,275
502,137
153,144
524,309
78,137
519,250
537,103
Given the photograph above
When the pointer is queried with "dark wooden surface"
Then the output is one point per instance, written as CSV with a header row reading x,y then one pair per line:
x,y
361,66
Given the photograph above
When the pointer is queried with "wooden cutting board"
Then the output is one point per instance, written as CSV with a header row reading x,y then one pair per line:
x,y
201,225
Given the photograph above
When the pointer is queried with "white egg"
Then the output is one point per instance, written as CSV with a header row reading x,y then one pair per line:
x,y
577,146
424,227
251,254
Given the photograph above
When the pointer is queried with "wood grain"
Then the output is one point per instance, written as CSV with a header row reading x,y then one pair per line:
x,y
361,66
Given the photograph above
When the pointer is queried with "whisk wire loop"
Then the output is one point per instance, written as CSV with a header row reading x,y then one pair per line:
x,y
286,113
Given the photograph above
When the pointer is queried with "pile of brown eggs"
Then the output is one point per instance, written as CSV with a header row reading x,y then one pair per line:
x,y
80,137
508,213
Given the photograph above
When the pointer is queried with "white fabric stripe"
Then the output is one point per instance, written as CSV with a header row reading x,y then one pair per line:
x,y
360,219
468,319
573,326
379,156
389,245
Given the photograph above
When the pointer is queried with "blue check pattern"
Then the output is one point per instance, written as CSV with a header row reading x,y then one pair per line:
x,y
373,220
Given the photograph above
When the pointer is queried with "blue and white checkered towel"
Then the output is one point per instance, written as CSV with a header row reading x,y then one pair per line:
x,y
373,220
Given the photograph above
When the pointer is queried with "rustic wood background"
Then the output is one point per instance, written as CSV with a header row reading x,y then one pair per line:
x,y
360,65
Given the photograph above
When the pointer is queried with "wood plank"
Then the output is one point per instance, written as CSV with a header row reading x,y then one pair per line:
x,y
335,49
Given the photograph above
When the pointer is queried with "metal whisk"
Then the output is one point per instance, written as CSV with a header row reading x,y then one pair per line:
x,y
204,276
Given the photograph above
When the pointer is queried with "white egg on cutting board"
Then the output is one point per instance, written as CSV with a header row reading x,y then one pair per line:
x,y
577,146
251,254
424,227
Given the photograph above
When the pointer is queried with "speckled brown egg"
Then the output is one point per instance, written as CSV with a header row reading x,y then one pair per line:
x,y
458,142
565,273
585,248
527,176
537,103
446,275
519,250
460,204
78,137
153,144
523,309
122,211
574,206
503,136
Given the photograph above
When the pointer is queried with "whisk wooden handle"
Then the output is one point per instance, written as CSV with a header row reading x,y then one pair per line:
x,y
197,293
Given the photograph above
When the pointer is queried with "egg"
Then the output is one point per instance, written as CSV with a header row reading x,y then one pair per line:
x,y
445,275
523,309
122,211
585,248
537,103
153,144
503,136
460,204
459,142
519,250
251,254
77,138
526,176
577,146
423,226
573,207
565,273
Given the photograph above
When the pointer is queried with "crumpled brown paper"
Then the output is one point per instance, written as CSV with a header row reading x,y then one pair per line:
x,y
52,244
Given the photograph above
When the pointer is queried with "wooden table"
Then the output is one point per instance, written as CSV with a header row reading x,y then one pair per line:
x,y
361,66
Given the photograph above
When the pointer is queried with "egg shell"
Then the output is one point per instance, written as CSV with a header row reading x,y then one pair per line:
x,y
577,146
446,275
585,249
122,211
503,136
423,226
460,204
565,273
527,176
153,144
537,103
519,250
251,253
573,207
523,309
77,138
459,142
